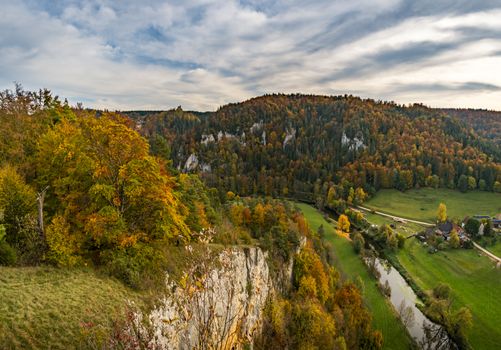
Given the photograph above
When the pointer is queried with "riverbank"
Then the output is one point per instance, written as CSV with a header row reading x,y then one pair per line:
x,y
350,265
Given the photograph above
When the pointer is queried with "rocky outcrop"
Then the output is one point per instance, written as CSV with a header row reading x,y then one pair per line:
x,y
224,307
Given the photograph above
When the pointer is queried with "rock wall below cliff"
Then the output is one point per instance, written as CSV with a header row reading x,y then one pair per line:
x,y
222,309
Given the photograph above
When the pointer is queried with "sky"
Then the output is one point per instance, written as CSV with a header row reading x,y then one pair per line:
x,y
202,54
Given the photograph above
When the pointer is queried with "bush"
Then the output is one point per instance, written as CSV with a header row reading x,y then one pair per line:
x,y
139,266
442,291
8,255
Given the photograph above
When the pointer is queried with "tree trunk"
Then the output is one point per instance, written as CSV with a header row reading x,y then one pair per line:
x,y
40,200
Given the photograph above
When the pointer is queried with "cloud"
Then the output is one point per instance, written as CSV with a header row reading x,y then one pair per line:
x,y
205,53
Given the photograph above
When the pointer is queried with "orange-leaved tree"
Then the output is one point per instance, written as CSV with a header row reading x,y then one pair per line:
x,y
105,183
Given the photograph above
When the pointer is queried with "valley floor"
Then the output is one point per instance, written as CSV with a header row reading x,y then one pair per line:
x,y
474,278
422,204
350,266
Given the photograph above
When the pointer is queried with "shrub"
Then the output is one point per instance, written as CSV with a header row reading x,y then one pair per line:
x,y
138,266
401,240
442,291
8,255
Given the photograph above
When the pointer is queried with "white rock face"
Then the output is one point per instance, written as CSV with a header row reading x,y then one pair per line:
x,y
227,135
207,139
206,168
235,294
289,136
256,127
353,144
191,163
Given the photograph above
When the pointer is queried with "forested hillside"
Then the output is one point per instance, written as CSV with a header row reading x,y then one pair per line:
x,y
486,123
301,145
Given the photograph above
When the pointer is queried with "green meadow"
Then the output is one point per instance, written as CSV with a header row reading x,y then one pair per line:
x,y
422,204
475,283
350,266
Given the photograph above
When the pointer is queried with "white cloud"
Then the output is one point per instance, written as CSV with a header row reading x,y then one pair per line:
x,y
202,54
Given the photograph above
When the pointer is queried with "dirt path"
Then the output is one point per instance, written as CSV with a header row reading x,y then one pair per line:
x,y
483,250
396,217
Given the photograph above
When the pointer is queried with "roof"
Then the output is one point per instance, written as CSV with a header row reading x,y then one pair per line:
x,y
445,227
481,216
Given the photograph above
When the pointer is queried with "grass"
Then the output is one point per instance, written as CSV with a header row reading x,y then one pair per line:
x,y
422,204
475,283
43,307
495,249
350,265
407,229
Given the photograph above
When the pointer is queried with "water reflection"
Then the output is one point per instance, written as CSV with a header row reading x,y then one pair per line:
x,y
426,333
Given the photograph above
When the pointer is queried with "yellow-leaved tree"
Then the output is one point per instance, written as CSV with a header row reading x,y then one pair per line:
x,y
442,213
343,223
106,185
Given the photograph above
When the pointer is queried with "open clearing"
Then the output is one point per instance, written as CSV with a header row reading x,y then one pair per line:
x,y
422,204
407,229
475,283
43,307
350,266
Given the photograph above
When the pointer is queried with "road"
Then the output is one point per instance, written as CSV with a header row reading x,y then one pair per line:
x,y
488,253
496,258
396,217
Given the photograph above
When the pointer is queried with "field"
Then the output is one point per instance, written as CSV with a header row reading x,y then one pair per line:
x,y
475,281
351,266
43,307
407,229
422,204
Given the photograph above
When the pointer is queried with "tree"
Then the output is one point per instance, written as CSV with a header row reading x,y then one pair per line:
x,y
482,185
432,181
17,201
472,183
360,196
331,196
488,227
351,196
442,213
463,183
358,242
454,241
472,226
343,223
497,187
109,188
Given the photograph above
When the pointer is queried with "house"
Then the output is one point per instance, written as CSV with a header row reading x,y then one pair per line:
x,y
496,221
444,230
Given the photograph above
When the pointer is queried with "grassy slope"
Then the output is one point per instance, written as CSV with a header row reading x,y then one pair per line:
x,y
42,307
351,266
422,204
475,282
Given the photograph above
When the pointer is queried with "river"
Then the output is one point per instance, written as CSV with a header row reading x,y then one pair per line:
x,y
404,301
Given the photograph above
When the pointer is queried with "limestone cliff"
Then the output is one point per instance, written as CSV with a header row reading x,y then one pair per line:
x,y
223,309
